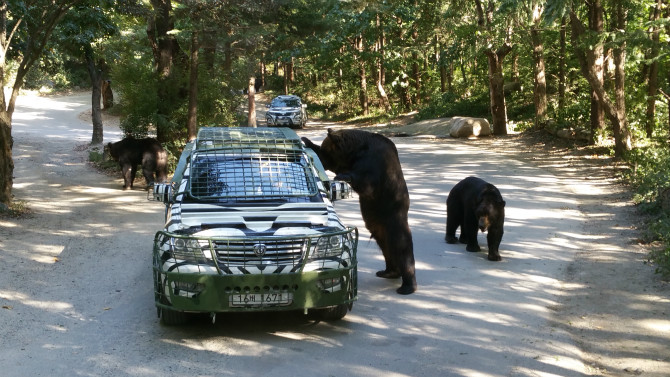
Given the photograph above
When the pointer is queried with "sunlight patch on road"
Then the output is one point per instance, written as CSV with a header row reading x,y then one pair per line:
x,y
48,253
656,324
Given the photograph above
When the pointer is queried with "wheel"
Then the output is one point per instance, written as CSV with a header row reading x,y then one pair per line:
x,y
333,313
173,317
170,317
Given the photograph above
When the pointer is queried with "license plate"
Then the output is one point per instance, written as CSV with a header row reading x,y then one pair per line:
x,y
261,299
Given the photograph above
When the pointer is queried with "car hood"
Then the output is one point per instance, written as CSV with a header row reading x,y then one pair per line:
x,y
287,219
283,109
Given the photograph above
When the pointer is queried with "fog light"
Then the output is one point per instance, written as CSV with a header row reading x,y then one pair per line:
x,y
329,284
186,289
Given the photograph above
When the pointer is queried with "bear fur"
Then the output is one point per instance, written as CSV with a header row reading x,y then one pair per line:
x,y
147,152
474,204
369,163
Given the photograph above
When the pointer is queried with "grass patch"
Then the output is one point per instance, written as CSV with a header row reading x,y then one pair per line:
x,y
16,209
650,177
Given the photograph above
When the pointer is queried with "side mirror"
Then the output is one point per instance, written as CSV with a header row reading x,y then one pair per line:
x,y
340,190
267,105
161,192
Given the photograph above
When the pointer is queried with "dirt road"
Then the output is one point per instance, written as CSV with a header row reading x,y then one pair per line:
x,y
571,298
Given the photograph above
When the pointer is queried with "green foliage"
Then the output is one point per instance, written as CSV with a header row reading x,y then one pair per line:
x,y
137,83
661,256
650,173
650,176
449,105
95,156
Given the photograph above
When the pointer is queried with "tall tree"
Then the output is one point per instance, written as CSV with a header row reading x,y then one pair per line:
x,y
24,31
652,68
192,117
495,52
597,64
587,57
169,61
80,34
540,81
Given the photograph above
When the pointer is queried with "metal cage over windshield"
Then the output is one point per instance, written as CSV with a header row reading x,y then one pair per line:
x,y
258,164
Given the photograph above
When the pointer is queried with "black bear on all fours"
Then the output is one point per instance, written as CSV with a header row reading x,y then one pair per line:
x,y
474,204
370,163
147,152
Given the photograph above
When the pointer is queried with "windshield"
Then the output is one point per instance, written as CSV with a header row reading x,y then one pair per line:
x,y
259,176
285,102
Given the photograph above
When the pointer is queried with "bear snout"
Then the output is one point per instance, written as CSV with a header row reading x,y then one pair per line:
x,y
483,223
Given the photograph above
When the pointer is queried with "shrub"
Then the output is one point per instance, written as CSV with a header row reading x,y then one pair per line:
x,y
449,105
650,176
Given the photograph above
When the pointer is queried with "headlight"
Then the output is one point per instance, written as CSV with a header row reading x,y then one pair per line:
x,y
187,249
327,246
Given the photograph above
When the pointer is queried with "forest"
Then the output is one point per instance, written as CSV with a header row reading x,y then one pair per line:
x,y
599,70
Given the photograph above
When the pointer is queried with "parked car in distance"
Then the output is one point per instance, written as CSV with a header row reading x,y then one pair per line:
x,y
286,110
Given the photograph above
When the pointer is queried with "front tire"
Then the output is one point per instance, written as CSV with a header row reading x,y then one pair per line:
x,y
332,313
173,317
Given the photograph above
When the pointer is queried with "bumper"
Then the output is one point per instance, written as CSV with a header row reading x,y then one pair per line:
x,y
211,287
216,293
283,121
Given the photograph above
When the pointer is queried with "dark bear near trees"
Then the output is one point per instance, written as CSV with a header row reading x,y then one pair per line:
x,y
370,163
473,204
147,152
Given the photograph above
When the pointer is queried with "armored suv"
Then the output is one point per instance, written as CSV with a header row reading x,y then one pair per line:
x,y
287,110
250,226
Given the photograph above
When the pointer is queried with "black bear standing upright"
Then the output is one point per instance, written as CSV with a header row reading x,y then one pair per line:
x,y
370,163
473,204
147,152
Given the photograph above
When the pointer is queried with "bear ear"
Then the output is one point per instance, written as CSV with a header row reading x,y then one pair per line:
x,y
335,137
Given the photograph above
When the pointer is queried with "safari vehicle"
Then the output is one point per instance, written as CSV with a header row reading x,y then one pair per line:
x,y
250,226
286,110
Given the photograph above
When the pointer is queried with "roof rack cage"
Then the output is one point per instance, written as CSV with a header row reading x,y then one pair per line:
x,y
235,137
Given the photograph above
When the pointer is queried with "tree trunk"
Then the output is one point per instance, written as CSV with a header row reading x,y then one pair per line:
x,y
515,68
288,72
416,79
622,137
263,74
497,89
586,58
652,78
561,66
596,25
165,48
252,101
6,159
540,82
495,60
416,73
105,85
379,67
443,77
192,116
107,94
96,93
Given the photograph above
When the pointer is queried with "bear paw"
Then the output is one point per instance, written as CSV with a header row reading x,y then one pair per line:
x,y
406,289
473,248
451,239
494,257
386,274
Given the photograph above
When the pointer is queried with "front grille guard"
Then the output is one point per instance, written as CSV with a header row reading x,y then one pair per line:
x,y
246,255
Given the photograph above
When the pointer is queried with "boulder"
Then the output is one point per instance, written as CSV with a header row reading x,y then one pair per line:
x,y
469,127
